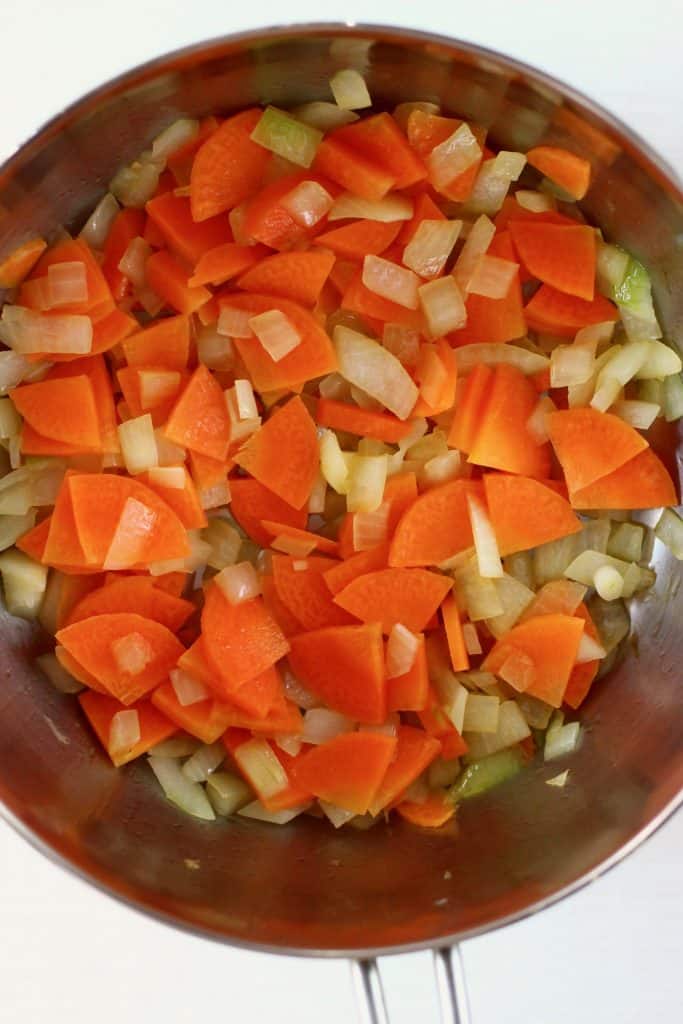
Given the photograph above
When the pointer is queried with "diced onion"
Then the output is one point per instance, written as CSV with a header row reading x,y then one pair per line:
x,y
349,90
286,136
169,454
246,402
180,745
536,712
402,647
67,282
451,158
559,780
493,181
626,541
234,323
332,462
124,732
238,582
391,208
485,543
515,599
338,816
441,469
570,365
12,527
132,263
494,355
512,729
612,263
321,725
157,386
324,116
135,184
187,689
333,386
224,543
258,812
558,597
131,536
239,428
608,582
661,361
257,761
402,111
96,229
138,444
204,762
13,369
188,796
173,477
316,501
671,396
452,698
481,713
27,332
178,134
24,582
392,282
290,743
227,793
589,650
369,366
308,203
443,306
537,202
492,277
431,245
561,740
669,530
386,728
276,333
366,485
214,350
370,528
199,553
477,242
57,674
640,415
471,638
298,547
132,653
237,220
537,422
518,670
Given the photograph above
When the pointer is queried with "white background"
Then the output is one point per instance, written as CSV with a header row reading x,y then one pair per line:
x,y
611,953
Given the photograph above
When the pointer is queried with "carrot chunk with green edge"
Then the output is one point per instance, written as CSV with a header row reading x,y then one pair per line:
x,y
134,594
566,169
207,720
164,344
323,545
15,266
538,656
283,453
128,224
525,513
452,623
226,261
313,357
61,410
105,644
435,526
360,238
493,320
381,426
351,170
433,812
555,312
99,501
583,675
410,692
344,667
154,726
591,444
342,573
502,440
641,482
562,256
185,237
228,167
388,596
241,641
251,503
415,751
184,501
305,593
171,281
298,276
348,770
199,419
380,140
359,299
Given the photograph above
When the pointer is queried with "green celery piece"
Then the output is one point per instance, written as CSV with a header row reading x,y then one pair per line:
x,y
635,286
481,775
289,138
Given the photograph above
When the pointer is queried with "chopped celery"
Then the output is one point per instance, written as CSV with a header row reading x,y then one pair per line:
x,y
286,136
24,582
672,397
227,793
611,267
633,296
485,773
669,530
626,542
443,773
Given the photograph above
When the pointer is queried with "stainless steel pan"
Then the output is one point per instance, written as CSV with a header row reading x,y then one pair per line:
x,y
304,888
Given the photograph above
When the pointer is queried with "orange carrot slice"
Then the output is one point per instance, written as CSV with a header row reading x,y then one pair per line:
x,y
503,440
437,362
380,141
364,422
283,453
389,596
282,615
346,771
452,623
305,594
251,504
228,167
15,266
415,751
104,644
493,320
207,720
183,501
558,313
298,276
360,238
127,225
400,491
582,675
410,692
435,527
566,169
547,645
351,170
525,513
95,369
470,408
74,250
171,282
226,261
69,663
591,444
344,667
433,812
359,299
186,237
199,419
563,257
340,574
62,544
424,209
63,410
165,344
321,544
155,727
134,594
641,482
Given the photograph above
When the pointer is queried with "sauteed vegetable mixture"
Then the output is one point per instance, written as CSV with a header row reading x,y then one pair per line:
x,y
321,448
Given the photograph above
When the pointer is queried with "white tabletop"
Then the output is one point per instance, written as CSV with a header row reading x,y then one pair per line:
x,y
611,953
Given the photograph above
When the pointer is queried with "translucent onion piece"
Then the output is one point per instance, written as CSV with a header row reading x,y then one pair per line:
x,y
349,90
571,365
536,712
471,638
13,369
443,306
14,452
257,761
612,263
239,428
402,342
441,469
477,242
589,650
276,332
518,670
333,386
286,136
234,323
169,454
58,676
204,762
156,386
138,444
366,485
96,229
559,780
298,547
608,582
537,202
124,732
308,203
369,366
481,713
316,502
214,350
238,582
492,277
188,796
391,208
199,553
333,465
640,415
172,477
537,422
177,746
452,698
290,744
132,263
515,598
12,527
512,729
669,530
188,690
626,541
338,816
297,692
370,528
485,543
401,651
493,355
561,740
132,653
493,181
224,543
131,536
478,595
661,361
178,134
24,583
402,111
672,396
321,725
67,282
258,812
27,332
453,157
134,185
323,116
387,728
391,281
237,219
227,793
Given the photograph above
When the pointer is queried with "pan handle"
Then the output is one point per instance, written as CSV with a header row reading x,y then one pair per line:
x,y
450,984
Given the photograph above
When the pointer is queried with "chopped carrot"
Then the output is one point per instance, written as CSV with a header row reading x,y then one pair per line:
x,y
75,250
207,720
415,751
207,472
20,262
470,408
186,237
33,542
252,503
359,299
511,210
199,419
183,501
321,544
383,426
424,209
283,453
305,594
63,544
389,596
61,410
435,527
557,313
280,612
502,440
133,594
460,660
228,167
298,276
400,491
566,169
561,256
344,667
224,262
437,375
380,141
641,482
410,692
426,131
493,320
348,770
95,369
128,224
582,675
360,238
591,444
70,665
171,281
165,344
433,812
525,513
538,656
340,574
353,171
154,726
